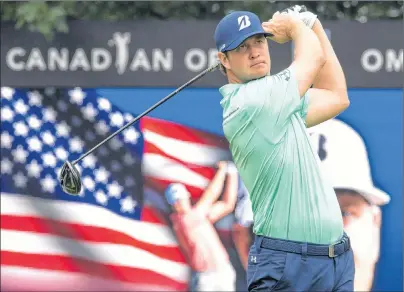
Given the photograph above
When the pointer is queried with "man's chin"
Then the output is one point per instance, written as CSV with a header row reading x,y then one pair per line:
x,y
261,71
256,75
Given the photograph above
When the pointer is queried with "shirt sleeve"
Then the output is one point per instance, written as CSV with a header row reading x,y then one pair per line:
x,y
304,106
243,212
270,102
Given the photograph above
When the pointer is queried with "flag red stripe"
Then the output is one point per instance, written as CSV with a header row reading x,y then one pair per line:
x,y
205,171
160,185
72,264
87,233
181,132
151,215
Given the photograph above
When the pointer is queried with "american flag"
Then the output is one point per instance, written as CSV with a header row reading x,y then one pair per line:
x,y
115,234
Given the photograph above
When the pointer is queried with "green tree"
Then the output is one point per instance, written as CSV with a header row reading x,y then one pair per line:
x,y
50,17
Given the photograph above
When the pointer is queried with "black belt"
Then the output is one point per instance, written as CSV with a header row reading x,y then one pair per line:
x,y
332,251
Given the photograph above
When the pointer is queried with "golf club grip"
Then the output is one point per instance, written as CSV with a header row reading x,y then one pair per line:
x,y
147,111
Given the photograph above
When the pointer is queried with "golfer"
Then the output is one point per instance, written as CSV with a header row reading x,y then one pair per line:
x,y
299,244
196,234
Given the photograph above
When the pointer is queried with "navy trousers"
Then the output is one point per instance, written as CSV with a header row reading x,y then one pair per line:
x,y
283,265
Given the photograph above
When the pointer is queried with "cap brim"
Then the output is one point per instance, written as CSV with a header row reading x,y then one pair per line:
x,y
242,38
373,195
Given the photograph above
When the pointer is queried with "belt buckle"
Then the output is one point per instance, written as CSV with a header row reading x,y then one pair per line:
x,y
331,251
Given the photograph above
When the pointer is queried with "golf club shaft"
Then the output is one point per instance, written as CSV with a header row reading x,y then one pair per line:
x,y
146,112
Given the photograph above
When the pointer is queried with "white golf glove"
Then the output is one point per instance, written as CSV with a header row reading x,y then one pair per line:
x,y
300,11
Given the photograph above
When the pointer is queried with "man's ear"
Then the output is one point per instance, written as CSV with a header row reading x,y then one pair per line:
x,y
224,60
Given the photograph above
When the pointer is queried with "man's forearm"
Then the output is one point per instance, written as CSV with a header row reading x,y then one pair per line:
x,y
215,186
331,75
309,57
226,205
230,192
213,191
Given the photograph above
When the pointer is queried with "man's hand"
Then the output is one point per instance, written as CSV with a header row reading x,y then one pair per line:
x,y
308,54
300,11
228,166
222,164
283,27
225,206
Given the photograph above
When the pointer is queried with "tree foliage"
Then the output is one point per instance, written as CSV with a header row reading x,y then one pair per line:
x,y
50,17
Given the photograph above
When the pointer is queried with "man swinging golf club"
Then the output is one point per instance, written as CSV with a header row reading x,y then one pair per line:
x,y
299,244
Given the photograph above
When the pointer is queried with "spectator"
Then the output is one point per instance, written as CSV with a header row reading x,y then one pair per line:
x,y
198,239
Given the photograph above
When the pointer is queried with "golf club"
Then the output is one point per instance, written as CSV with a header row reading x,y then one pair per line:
x,y
70,180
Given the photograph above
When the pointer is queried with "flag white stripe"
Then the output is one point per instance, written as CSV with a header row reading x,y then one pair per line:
x,y
23,278
158,166
104,253
189,152
85,214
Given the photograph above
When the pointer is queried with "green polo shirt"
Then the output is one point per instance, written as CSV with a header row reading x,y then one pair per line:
x,y
264,122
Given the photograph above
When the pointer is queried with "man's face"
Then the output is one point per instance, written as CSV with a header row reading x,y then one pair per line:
x,y
250,60
362,224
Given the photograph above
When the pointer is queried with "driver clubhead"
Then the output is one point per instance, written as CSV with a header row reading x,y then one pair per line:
x,y
70,180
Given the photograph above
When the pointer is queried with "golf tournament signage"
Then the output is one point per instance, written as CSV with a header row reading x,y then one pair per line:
x,y
168,53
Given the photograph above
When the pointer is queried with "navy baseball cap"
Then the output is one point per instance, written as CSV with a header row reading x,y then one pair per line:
x,y
235,27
